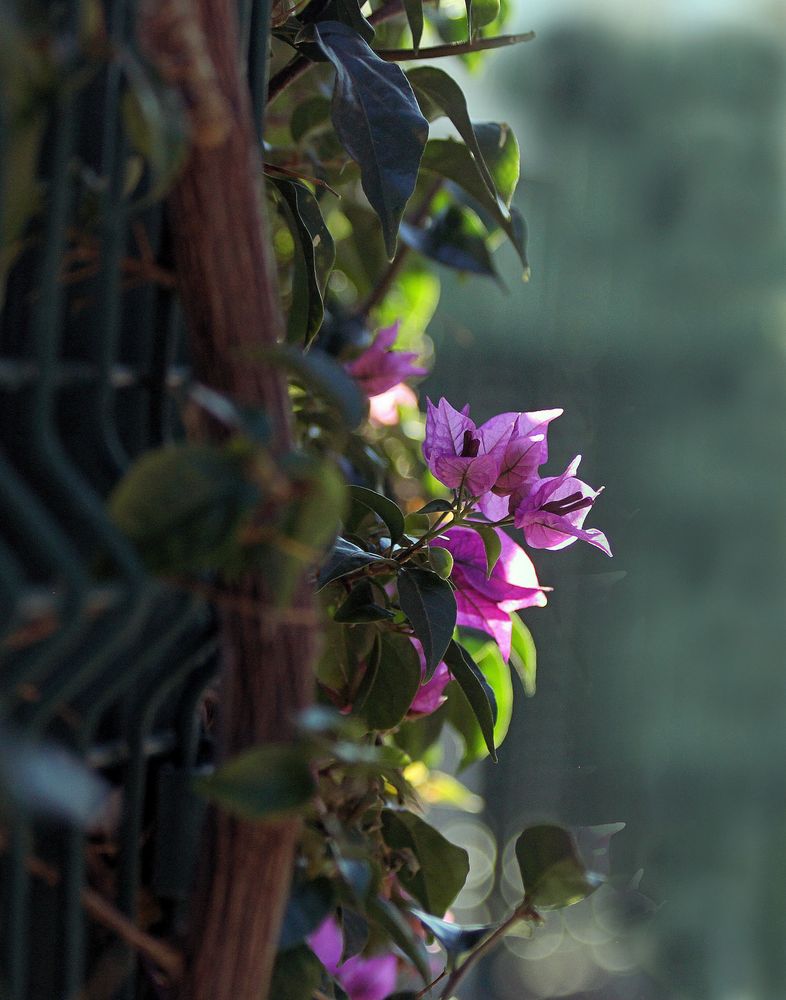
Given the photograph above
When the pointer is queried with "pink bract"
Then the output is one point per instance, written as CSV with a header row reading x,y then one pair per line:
x,y
431,692
552,513
379,368
362,978
487,604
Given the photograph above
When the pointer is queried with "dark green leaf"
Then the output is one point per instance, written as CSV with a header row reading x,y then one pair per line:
x,y
435,507
360,607
309,116
476,689
355,927
308,905
484,12
552,871
392,922
347,12
485,652
323,376
442,867
457,239
385,700
428,601
263,783
296,974
414,11
42,779
454,938
316,255
523,655
306,525
345,558
377,120
453,161
363,500
185,506
435,89
491,544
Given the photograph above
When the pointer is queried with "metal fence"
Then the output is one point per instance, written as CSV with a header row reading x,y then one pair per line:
x,y
95,654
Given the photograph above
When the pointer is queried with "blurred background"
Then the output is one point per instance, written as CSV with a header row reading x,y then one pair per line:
x,y
653,148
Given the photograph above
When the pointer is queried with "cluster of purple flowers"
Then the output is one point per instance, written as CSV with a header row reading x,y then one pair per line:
x,y
497,465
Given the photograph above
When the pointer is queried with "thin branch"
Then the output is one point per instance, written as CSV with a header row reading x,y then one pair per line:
x,y
454,48
523,912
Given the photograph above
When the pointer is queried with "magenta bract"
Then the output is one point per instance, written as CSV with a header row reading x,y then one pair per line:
x,y
379,368
552,513
431,692
362,978
487,604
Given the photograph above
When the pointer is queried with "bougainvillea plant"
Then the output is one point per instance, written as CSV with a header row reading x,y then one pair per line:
x,y
411,529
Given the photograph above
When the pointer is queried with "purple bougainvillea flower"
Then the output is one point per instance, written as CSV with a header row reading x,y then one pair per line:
x,y
552,513
430,693
379,368
487,604
362,978
459,453
526,451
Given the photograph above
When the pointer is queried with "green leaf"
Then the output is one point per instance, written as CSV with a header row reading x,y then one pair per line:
x,y
523,655
491,544
414,11
363,500
485,652
321,375
156,123
442,867
455,238
439,94
344,558
347,12
263,783
360,607
309,116
296,974
392,922
441,561
500,151
454,938
428,601
184,507
453,161
435,507
377,120
308,904
317,254
393,681
477,691
306,524
552,870
484,12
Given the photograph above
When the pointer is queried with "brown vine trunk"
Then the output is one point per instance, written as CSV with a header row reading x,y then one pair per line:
x,y
226,279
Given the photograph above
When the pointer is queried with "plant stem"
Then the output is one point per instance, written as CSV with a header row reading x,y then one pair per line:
x,y
523,912
453,48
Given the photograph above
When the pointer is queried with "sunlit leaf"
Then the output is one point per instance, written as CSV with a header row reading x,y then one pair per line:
x,y
523,655
438,94
552,870
442,867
